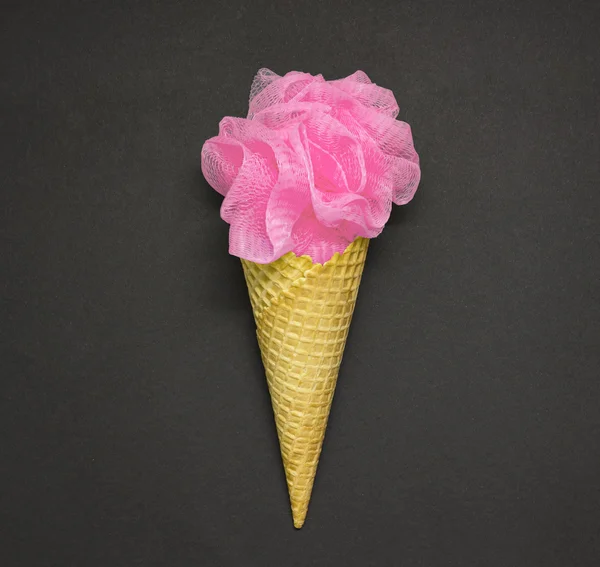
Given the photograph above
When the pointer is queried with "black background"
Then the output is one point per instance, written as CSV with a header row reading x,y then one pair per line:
x,y
135,420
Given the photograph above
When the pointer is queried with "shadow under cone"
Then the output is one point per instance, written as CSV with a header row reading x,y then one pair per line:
x,y
303,313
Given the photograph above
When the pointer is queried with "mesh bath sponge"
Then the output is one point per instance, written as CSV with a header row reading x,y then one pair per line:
x,y
314,165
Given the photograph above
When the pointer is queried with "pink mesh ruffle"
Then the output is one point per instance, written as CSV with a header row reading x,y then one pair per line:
x,y
314,165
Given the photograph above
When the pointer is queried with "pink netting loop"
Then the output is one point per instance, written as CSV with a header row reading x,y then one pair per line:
x,y
314,165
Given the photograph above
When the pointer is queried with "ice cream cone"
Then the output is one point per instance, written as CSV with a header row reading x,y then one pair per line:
x,y
303,312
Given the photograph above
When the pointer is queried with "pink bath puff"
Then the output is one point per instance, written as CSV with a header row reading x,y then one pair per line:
x,y
314,165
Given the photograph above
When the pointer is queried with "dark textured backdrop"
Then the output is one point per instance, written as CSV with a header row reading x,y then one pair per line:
x,y
134,417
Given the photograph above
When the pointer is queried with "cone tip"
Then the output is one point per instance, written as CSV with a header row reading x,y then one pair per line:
x,y
299,515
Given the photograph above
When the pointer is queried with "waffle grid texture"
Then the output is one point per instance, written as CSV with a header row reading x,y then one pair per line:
x,y
303,312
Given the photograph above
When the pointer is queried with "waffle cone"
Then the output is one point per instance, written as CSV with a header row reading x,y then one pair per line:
x,y
303,312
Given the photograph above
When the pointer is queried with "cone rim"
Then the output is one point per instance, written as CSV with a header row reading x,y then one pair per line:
x,y
291,254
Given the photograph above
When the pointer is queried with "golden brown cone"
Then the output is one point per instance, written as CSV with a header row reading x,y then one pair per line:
x,y
303,313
